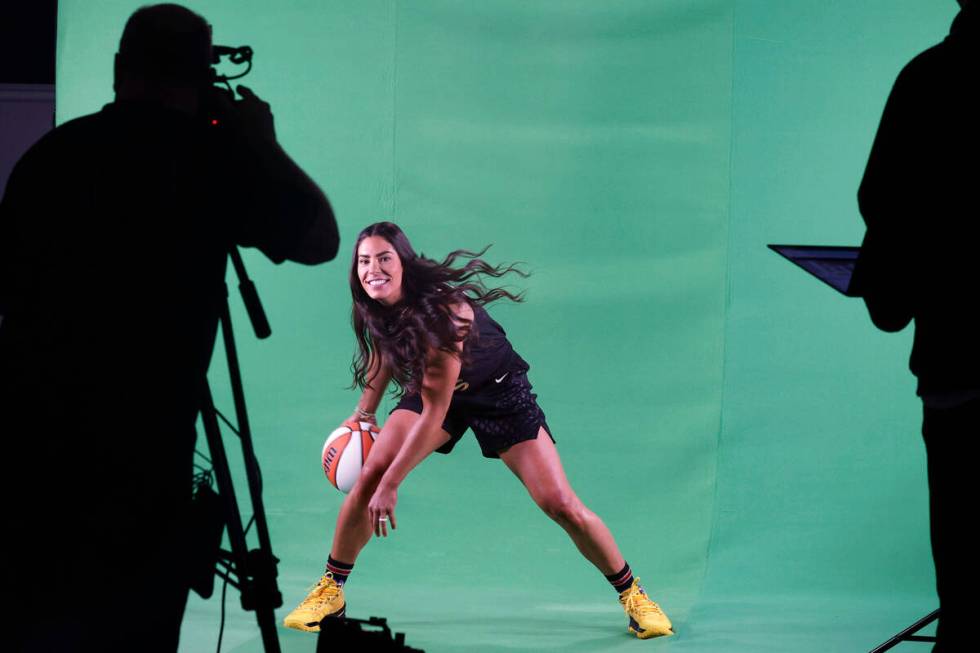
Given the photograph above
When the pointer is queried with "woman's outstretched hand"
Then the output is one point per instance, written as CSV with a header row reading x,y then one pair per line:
x,y
381,509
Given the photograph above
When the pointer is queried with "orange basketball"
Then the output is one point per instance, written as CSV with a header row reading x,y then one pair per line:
x,y
345,451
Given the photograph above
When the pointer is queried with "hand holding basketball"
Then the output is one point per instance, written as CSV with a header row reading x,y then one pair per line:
x,y
357,417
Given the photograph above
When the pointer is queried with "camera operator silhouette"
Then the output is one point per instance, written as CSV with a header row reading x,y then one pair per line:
x,y
919,261
114,234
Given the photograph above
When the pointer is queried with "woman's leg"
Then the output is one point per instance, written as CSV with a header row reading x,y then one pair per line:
x,y
537,465
354,529
326,599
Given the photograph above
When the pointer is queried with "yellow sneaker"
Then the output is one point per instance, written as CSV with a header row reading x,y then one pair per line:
x,y
646,618
326,599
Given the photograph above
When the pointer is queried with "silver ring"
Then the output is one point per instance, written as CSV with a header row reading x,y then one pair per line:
x,y
382,519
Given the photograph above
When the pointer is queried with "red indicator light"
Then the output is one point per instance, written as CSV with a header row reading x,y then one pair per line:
x,y
214,121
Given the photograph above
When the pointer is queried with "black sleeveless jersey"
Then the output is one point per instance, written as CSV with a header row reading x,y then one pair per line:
x,y
487,354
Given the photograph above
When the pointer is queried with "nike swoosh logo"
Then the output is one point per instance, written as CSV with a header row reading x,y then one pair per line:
x,y
501,378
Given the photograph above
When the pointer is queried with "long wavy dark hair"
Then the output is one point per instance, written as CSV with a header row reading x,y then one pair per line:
x,y
423,319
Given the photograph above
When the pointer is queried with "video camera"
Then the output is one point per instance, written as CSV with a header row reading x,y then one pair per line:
x,y
238,56
219,90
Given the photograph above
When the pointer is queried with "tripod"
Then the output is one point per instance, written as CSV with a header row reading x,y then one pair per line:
x,y
253,572
908,635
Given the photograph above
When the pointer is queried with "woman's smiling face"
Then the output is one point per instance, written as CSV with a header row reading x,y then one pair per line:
x,y
379,270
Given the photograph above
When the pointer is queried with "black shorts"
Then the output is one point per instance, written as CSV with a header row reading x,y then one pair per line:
x,y
500,415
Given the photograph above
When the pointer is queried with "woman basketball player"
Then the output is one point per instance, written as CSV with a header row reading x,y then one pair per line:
x,y
422,324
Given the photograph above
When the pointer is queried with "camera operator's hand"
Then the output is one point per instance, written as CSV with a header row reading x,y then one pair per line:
x,y
270,173
254,116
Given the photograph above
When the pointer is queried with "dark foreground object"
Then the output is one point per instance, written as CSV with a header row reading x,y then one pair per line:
x,y
338,634
909,634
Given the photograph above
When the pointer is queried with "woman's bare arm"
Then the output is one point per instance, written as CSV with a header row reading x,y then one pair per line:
x,y
378,378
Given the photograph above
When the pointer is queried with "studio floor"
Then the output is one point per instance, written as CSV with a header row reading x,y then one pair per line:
x,y
466,618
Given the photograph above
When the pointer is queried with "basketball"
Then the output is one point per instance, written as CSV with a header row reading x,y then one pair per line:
x,y
345,451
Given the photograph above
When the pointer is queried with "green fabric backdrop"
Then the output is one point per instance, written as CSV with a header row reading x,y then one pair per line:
x,y
744,432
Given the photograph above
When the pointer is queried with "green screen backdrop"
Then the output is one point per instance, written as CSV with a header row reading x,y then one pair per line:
x,y
749,438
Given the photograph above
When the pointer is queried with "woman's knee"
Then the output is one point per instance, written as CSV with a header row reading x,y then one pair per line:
x,y
563,507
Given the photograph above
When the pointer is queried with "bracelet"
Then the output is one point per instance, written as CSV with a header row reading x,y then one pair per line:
x,y
363,413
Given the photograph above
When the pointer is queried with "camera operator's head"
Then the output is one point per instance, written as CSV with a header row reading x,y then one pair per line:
x,y
164,57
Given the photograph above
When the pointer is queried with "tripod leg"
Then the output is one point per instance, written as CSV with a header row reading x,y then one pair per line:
x,y
261,593
908,635
233,519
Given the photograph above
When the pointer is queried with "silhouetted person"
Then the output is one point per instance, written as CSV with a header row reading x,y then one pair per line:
x,y
919,261
114,230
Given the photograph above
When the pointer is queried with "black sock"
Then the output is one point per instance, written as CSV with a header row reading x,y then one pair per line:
x,y
622,579
339,570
